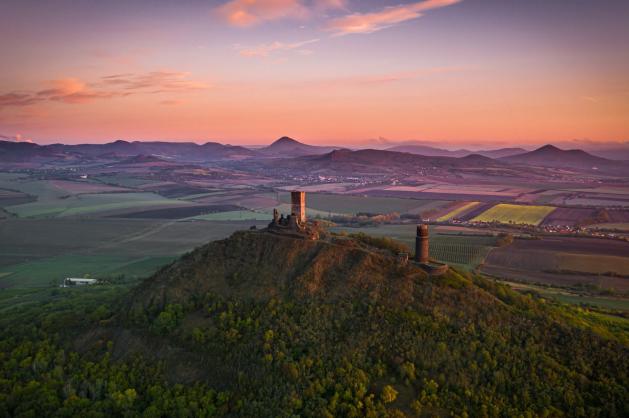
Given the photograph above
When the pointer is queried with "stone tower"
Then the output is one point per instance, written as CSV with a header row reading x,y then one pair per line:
x,y
298,206
421,244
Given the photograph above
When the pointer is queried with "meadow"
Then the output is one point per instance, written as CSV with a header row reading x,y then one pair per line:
x,y
515,214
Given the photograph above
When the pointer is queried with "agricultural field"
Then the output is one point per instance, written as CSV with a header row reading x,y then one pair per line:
x,y
598,202
38,252
563,262
449,191
89,204
457,211
463,250
515,214
351,205
81,187
611,226
569,216
565,296
182,212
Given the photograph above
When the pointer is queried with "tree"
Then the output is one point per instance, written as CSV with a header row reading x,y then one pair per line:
x,y
388,394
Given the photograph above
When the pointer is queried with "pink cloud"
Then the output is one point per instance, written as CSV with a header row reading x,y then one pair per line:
x,y
372,22
323,5
264,50
251,12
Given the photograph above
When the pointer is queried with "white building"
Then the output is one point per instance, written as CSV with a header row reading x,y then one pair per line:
x,y
71,281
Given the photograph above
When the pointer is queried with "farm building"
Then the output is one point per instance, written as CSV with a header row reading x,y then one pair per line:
x,y
71,281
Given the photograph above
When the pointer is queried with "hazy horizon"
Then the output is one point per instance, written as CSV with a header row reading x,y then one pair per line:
x,y
380,143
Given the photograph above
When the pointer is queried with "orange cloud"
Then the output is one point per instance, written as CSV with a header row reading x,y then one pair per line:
x,y
264,50
73,90
372,22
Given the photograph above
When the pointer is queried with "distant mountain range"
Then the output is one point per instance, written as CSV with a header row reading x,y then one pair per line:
x,y
186,151
372,161
297,155
438,152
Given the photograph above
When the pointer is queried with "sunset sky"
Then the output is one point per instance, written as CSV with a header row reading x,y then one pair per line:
x,y
323,71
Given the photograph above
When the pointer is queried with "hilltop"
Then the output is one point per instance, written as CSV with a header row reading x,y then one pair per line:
x,y
289,147
551,156
287,326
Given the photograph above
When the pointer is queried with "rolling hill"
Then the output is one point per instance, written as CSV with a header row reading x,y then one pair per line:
x,y
288,147
260,310
373,162
551,156
438,152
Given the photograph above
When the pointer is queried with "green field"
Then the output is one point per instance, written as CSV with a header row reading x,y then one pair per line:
x,y
88,204
576,299
51,271
515,214
457,211
39,252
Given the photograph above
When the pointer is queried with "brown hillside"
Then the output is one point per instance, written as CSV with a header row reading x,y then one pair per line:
x,y
260,265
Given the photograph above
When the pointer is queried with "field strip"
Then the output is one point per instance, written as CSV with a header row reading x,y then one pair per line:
x,y
515,214
457,211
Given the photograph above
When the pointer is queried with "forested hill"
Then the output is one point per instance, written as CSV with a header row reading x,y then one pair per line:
x,y
264,325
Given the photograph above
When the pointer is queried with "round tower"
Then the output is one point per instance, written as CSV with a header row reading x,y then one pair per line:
x,y
421,244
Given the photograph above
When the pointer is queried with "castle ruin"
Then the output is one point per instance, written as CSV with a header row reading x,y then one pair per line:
x,y
298,206
296,222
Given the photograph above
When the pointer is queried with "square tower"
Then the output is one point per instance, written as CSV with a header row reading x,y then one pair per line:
x,y
298,206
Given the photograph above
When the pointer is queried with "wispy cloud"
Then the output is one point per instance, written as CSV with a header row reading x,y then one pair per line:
x,y
251,12
73,90
154,82
264,50
387,78
387,17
